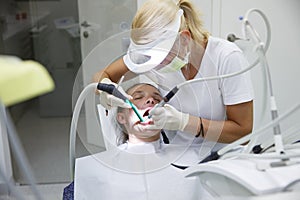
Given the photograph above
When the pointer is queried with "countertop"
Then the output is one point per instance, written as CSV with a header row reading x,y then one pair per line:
x,y
15,26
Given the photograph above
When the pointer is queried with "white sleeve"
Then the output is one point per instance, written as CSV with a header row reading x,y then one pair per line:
x,y
237,89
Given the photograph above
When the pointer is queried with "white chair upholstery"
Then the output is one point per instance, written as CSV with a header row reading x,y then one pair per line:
x,y
109,128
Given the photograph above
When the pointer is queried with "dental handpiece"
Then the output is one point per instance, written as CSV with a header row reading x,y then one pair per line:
x,y
165,99
111,89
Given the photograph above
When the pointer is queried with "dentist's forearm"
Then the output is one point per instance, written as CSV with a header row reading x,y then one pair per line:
x,y
113,71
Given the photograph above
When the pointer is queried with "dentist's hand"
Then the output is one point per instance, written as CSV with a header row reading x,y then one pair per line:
x,y
108,101
167,117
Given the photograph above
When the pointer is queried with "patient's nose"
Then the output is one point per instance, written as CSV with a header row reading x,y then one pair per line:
x,y
150,101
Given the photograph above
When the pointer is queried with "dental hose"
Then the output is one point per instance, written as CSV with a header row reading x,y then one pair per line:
x,y
274,123
261,57
111,89
215,155
176,88
211,78
87,90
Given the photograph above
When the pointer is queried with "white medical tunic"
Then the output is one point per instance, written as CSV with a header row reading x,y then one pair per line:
x,y
208,99
137,172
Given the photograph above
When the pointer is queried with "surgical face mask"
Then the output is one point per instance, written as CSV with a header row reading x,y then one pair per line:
x,y
175,65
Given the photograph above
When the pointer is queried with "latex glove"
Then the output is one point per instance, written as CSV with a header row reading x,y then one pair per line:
x,y
167,117
108,101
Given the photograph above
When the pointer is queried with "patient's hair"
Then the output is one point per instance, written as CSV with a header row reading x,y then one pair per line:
x,y
123,137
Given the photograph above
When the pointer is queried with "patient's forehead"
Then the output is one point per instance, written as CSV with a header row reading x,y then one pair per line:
x,y
142,87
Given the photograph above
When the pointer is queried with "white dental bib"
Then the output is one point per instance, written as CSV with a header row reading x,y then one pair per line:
x,y
137,171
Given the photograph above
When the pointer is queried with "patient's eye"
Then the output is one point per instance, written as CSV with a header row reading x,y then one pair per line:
x,y
137,97
156,99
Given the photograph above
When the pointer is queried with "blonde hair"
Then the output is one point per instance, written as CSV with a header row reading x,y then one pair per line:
x,y
155,15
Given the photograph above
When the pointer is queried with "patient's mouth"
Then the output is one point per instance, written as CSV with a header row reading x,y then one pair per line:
x,y
147,121
146,113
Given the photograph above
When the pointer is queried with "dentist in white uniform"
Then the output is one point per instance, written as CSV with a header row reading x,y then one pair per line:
x,y
170,45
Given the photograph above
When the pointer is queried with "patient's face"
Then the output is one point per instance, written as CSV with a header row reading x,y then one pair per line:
x,y
144,98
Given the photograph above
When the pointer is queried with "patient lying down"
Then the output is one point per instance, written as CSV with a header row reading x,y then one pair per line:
x,y
139,168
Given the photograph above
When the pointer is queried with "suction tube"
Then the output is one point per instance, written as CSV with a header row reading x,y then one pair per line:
x,y
87,90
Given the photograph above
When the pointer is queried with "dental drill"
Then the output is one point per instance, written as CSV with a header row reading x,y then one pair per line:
x,y
165,99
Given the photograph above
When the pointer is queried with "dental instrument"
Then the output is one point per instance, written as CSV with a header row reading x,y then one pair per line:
x,y
111,89
119,83
290,137
165,99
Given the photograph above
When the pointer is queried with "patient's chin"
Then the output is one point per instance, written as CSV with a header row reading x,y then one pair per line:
x,y
141,131
148,136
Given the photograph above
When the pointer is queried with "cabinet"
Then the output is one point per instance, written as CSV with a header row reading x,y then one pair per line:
x,y
40,42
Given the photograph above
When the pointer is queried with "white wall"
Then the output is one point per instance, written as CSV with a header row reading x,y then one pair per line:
x,y
60,40
283,53
101,47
